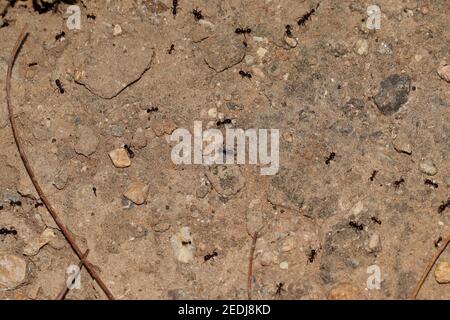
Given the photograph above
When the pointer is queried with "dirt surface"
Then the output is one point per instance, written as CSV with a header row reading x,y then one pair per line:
x,y
364,120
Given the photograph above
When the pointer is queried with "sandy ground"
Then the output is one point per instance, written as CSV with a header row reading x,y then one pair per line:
x,y
371,102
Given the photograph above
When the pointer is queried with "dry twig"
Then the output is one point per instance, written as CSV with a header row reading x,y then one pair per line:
x,y
33,178
428,268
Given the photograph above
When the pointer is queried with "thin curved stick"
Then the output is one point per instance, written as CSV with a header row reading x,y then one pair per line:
x,y
30,171
428,269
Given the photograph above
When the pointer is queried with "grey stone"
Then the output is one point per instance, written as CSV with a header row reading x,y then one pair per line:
x,y
394,93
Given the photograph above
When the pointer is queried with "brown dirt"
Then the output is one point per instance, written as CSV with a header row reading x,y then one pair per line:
x,y
110,82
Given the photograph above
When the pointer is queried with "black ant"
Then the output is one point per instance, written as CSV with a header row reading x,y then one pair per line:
x,y
399,182
307,16
5,231
312,255
60,35
431,183
152,109
129,151
437,242
94,189
245,74
185,243
280,288
174,7
91,16
210,256
172,47
60,86
243,31
32,64
330,157
355,225
221,122
444,206
39,204
197,14
374,174
13,203
376,220
289,30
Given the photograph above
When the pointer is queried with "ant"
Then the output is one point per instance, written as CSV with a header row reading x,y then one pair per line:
x,y
5,231
32,64
172,47
399,182
91,16
1,207
39,204
13,203
356,226
376,220
431,183
185,243
197,14
307,16
209,256
289,30
330,157
221,122
374,173
312,255
60,35
129,151
152,109
245,74
174,7
280,288
436,243
444,206
243,31
60,86
94,189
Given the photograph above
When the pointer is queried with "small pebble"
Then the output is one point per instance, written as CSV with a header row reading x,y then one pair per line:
x,y
373,244
117,30
13,270
139,140
284,265
249,60
428,167
290,41
183,246
343,291
137,192
447,181
362,47
116,130
444,72
212,113
33,247
402,145
442,272
119,158
384,48
261,52
288,245
267,259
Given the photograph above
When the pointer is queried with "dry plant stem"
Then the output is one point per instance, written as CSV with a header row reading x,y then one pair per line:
x,y
429,267
64,291
30,171
250,266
